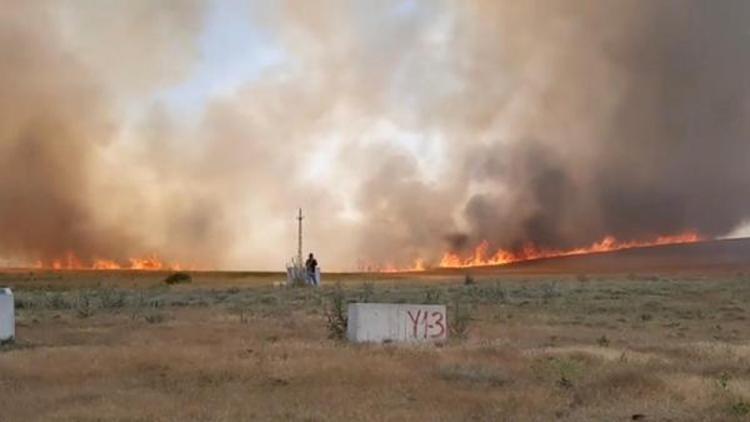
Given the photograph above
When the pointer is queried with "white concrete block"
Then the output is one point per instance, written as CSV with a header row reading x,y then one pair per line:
x,y
7,315
385,322
299,275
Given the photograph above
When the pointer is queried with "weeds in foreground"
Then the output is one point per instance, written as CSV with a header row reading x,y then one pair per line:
x,y
147,308
178,278
723,381
84,306
243,315
493,294
155,317
462,318
433,295
563,371
335,313
368,290
56,301
602,341
740,408
112,299
549,291
473,374
138,304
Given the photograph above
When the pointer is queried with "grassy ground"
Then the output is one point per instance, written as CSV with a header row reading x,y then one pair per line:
x,y
125,346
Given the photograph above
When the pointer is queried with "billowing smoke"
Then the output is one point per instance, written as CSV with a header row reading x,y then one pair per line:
x,y
633,127
404,129
67,69
638,130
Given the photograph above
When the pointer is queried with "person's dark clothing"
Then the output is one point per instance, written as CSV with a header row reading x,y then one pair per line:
x,y
311,264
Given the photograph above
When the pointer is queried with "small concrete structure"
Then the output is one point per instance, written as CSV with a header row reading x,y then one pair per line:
x,y
297,275
7,316
385,322
296,270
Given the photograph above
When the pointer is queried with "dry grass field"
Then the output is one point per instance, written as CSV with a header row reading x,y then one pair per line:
x,y
539,346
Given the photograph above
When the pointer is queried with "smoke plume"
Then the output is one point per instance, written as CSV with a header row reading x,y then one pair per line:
x,y
405,129
64,72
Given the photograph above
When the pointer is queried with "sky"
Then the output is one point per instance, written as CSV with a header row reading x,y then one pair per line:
x,y
232,52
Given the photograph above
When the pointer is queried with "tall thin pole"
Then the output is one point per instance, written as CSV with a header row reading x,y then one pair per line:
x,y
299,238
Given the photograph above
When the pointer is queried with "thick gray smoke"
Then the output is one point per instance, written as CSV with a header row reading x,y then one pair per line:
x,y
59,195
404,129
638,128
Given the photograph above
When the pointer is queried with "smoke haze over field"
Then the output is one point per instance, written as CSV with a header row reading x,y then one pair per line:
x,y
405,129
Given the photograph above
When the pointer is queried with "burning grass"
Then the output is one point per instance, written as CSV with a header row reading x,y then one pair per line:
x,y
482,256
71,262
241,349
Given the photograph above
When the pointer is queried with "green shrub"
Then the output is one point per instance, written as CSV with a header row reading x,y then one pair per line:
x,y
602,341
178,278
335,313
461,318
741,408
432,296
57,301
84,307
154,317
473,374
112,299
368,290
723,381
549,292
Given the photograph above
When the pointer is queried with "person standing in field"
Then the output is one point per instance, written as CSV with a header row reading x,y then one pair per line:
x,y
311,265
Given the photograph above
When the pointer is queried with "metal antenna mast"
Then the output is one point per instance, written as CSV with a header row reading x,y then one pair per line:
x,y
299,239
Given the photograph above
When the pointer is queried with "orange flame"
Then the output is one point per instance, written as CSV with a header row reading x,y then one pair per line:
x,y
71,262
482,256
